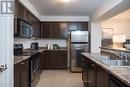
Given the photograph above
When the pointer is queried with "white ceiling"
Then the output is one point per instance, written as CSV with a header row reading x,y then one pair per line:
x,y
123,15
73,8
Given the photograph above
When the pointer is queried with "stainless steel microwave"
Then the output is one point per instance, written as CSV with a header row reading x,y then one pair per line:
x,y
25,29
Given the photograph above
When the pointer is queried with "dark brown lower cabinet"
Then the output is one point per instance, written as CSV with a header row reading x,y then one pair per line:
x,y
21,74
54,59
93,75
42,60
114,82
89,74
102,78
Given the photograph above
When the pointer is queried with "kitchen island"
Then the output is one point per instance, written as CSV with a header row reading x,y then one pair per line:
x,y
122,74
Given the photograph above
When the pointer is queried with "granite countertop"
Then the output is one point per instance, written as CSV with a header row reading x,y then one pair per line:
x,y
27,53
122,73
18,59
116,49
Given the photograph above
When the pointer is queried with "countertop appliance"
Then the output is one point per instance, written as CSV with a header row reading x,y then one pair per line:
x,y
25,29
79,43
34,46
18,49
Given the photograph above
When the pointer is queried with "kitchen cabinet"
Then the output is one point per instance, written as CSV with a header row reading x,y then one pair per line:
x,y
60,29
19,10
54,59
45,30
114,82
93,75
54,30
26,15
42,60
89,73
50,59
102,78
21,74
96,76
36,27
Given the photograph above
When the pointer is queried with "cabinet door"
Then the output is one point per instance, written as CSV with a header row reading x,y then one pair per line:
x,y
89,74
63,30
50,30
20,11
24,74
83,26
91,78
54,60
21,74
36,29
16,9
42,60
17,75
61,59
102,78
50,60
26,15
53,30
115,82
45,30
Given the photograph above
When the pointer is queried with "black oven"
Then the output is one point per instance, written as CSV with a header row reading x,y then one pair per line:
x,y
34,67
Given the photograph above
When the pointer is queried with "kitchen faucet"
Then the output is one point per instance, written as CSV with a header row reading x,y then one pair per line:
x,y
122,55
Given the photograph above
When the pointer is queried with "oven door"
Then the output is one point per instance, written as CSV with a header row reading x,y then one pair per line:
x,y
35,61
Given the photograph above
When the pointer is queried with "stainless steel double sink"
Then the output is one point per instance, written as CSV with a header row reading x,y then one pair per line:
x,y
112,62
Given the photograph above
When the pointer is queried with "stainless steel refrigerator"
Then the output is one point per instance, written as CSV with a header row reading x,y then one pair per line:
x,y
78,44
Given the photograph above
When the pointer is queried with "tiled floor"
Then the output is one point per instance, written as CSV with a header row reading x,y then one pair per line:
x,y
60,78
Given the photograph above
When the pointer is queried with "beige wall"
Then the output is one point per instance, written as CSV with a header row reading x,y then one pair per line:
x,y
120,26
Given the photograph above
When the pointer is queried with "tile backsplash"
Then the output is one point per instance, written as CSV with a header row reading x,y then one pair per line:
x,y
42,42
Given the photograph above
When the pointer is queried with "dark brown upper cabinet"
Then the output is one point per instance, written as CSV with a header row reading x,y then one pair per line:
x,y
54,30
36,27
60,29
19,10
23,13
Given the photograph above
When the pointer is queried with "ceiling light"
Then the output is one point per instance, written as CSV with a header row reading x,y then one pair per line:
x,y
66,1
